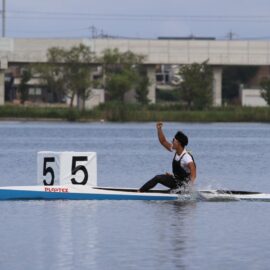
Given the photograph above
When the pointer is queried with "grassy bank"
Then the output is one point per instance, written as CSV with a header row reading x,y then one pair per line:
x,y
176,113
137,113
31,112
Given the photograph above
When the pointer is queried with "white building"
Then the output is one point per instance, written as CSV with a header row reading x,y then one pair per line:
x,y
253,98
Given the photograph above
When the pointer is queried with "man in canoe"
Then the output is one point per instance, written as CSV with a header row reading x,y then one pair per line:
x,y
183,164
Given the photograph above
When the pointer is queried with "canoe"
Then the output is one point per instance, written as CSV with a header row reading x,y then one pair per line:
x,y
79,192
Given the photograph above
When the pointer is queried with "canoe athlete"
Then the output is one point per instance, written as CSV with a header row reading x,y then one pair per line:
x,y
183,164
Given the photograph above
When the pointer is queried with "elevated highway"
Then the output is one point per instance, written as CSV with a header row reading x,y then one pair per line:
x,y
218,53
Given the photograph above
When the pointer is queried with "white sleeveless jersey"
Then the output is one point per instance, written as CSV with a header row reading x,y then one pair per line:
x,y
185,160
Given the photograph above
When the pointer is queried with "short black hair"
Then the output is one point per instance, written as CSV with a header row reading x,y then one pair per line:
x,y
181,138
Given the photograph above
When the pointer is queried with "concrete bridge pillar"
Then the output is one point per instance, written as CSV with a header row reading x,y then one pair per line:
x,y
151,73
217,86
3,66
2,87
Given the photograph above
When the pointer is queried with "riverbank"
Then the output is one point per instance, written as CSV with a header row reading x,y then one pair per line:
x,y
136,113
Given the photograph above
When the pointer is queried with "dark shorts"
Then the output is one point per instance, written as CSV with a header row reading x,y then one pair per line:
x,y
164,179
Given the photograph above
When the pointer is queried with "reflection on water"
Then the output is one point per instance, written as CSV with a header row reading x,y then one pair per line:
x,y
137,234
62,235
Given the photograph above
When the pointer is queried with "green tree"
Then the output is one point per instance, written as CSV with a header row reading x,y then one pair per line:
x,y
142,86
23,87
265,89
196,86
68,72
77,72
119,83
122,73
51,76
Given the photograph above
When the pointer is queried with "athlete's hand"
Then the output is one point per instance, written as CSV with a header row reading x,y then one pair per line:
x,y
159,125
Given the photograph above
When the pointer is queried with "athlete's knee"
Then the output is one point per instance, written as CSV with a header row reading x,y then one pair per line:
x,y
159,178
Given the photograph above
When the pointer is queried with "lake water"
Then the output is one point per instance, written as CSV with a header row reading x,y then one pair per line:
x,y
137,234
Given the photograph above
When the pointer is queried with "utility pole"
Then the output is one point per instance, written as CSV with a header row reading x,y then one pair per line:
x,y
231,35
93,30
3,18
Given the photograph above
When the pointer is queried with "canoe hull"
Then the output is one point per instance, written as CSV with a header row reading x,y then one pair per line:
x,y
77,193
73,192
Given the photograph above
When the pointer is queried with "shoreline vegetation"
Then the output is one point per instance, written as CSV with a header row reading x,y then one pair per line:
x,y
118,112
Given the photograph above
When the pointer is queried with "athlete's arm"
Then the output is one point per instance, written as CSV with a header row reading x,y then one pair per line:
x,y
192,169
162,138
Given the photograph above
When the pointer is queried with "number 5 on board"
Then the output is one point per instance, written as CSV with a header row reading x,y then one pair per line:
x,y
67,168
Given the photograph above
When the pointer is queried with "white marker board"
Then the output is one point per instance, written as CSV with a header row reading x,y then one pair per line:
x,y
66,168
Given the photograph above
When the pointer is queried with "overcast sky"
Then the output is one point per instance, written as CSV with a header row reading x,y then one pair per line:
x,y
139,19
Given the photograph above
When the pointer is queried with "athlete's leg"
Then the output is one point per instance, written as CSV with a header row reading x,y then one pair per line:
x,y
164,179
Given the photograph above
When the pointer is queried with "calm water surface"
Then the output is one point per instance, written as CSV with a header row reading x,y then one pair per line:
x,y
137,234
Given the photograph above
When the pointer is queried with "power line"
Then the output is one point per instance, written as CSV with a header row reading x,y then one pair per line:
x,y
150,18
134,17
141,15
51,31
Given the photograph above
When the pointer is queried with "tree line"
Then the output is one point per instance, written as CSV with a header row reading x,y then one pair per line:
x,y
70,73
